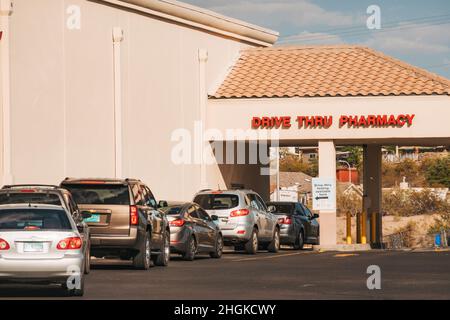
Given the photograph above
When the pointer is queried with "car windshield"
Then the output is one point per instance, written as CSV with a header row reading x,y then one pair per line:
x,y
172,210
217,201
30,197
31,219
113,194
282,208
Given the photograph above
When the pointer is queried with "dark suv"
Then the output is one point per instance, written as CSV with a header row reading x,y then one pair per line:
x,y
54,195
125,220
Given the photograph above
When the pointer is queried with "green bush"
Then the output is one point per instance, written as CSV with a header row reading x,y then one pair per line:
x,y
437,172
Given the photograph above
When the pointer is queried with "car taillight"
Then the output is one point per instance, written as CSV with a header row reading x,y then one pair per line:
x,y
134,216
4,245
177,223
239,213
286,220
71,243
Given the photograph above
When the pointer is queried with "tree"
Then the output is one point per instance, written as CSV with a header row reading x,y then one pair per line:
x,y
438,172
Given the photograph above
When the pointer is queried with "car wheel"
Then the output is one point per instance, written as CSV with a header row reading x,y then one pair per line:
x,y
189,255
217,253
251,247
162,259
143,259
87,259
274,245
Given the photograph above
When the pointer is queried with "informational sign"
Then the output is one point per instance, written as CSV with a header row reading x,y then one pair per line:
x,y
324,193
285,195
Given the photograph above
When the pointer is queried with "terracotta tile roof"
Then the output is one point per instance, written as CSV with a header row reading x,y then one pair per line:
x,y
312,71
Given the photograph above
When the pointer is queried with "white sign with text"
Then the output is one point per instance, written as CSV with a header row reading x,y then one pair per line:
x,y
324,193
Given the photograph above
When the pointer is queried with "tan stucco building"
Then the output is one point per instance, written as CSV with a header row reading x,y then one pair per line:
x,y
98,88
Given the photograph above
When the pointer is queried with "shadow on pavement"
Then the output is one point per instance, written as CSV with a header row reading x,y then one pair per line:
x,y
31,290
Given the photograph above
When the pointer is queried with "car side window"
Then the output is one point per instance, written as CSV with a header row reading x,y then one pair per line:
x,y
261,203
137,194
202,214
307,212
299,210
151,199
254,202
192,212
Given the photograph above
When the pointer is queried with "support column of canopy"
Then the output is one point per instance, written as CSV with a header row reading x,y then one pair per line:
x,y
372,193
327,169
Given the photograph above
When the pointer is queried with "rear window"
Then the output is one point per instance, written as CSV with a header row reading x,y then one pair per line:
x,y
172,211
113,194
34,219
217,201
32,197
285,208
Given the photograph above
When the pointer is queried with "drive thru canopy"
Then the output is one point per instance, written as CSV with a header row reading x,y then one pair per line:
x,y
328,95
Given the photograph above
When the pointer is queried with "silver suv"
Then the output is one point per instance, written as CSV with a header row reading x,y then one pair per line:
x,y
243,218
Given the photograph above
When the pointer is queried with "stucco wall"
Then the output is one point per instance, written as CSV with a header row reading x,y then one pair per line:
x,y
63,94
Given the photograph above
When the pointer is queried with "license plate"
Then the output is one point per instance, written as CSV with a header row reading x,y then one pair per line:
x,y
33,247
93,218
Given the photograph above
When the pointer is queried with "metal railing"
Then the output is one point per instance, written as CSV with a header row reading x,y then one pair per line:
x,y
401,240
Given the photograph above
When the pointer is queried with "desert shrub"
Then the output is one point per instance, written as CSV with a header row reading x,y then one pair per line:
x,y
407,234
393,173
440,223
409,203
291,163
349,202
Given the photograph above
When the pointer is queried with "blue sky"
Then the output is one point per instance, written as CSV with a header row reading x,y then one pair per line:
x,y
415,31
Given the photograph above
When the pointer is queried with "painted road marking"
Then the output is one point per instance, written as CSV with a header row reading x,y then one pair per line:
x,y
343,255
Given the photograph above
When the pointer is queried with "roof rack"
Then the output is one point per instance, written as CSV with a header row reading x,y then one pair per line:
x,y
17,186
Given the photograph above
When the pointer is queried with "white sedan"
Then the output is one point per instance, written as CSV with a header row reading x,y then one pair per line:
x,y
41,243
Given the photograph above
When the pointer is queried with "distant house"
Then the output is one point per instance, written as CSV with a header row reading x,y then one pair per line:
x,y
294,181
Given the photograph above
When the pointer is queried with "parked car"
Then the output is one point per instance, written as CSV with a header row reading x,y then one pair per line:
x,y
298,224
125,220
193,231
40,242
53,195
243,218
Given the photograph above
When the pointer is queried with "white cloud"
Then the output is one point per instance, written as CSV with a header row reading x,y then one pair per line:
x,y
273,13
425,39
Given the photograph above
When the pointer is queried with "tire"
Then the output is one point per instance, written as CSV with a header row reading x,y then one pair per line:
x,y
274,245
300,240
143,259
87,259
251,247
163,258
189,255
218,248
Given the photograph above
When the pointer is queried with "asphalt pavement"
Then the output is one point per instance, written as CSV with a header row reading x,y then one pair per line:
x,y
288,274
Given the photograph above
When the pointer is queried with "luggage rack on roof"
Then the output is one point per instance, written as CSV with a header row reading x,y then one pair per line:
x,y
21,186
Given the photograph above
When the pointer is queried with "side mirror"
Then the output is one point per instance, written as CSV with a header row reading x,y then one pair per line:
x,y
162,204
271,209
214,217
86,214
